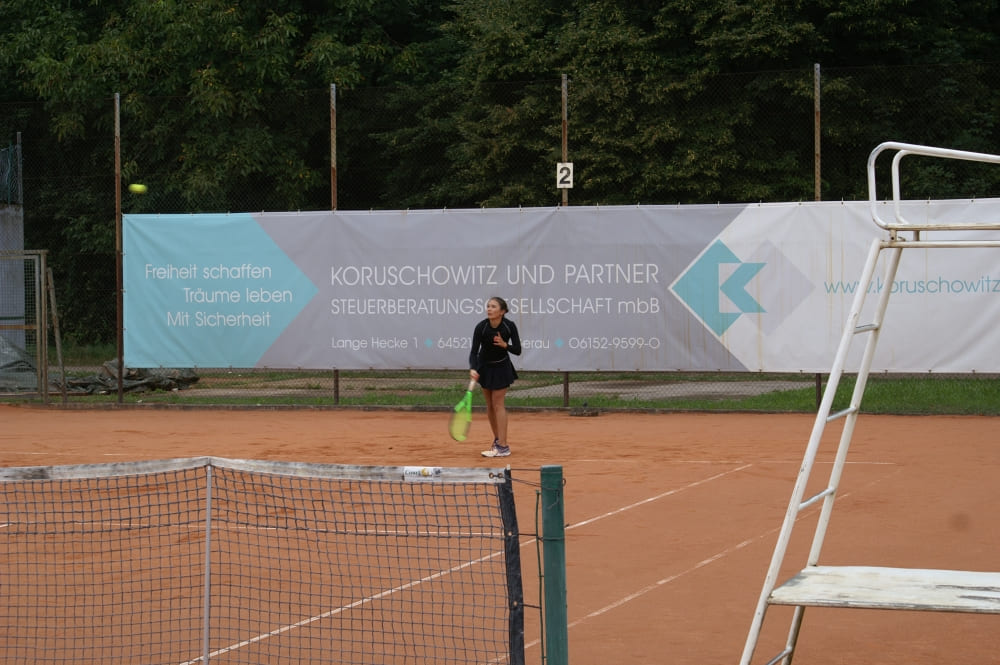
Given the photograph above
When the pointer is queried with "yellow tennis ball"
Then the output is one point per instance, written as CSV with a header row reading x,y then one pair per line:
x,y
137,188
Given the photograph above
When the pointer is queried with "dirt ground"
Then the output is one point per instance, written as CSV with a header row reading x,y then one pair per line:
x,y
671,519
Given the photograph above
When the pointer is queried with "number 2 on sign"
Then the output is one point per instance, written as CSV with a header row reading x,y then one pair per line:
x,y
564,175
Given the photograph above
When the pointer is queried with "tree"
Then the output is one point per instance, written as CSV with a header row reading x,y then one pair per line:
x,y
650,119
224,106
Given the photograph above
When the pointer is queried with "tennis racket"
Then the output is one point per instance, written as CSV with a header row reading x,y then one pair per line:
x,y
461,417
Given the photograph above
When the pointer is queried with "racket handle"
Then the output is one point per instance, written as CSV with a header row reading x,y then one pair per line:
x,y
472,385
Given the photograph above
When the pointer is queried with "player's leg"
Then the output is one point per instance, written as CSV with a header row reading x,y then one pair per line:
x,y
500,415
491,414
497,413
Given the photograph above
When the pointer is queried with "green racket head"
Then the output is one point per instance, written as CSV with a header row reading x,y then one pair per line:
x,y
459,425
461,417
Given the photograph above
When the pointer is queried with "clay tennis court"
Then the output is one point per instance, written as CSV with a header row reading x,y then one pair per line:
x,y
671,518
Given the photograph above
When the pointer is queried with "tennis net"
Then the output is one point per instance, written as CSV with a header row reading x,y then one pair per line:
x,y
201,560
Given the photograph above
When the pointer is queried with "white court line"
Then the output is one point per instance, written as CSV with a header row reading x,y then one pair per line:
x,y
618,511
677,490
704,562
618,603
343,608
388,592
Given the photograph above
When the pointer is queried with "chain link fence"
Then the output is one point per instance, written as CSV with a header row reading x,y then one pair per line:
x,y
735,138
10,175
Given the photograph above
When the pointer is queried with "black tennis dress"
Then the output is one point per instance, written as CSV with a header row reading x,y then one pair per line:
x,y
496,371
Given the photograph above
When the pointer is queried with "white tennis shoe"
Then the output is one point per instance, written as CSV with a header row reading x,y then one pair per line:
x,y
497,451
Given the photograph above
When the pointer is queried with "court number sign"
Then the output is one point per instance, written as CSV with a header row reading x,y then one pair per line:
x,y
564,175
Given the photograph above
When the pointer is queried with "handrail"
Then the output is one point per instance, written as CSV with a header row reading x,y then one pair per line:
x,y
904,149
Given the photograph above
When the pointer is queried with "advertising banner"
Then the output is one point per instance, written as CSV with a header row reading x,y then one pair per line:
x,y
764,287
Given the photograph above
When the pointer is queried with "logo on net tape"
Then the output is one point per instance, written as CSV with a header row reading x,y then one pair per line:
x,y
422,472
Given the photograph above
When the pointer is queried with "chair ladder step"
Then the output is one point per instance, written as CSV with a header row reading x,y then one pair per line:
x,y
813,499
840,414
780,657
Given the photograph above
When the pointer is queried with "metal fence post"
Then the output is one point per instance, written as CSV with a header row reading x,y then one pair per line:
x,y
554,564
207,606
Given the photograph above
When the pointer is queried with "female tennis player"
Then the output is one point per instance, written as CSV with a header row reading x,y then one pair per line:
x,y
493,340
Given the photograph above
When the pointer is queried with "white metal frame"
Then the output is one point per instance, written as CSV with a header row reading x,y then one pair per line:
x,y
868,586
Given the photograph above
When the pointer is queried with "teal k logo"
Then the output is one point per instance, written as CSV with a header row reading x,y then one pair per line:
x,y
702,284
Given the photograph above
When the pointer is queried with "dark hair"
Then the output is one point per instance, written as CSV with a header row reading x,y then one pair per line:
x,y
501,302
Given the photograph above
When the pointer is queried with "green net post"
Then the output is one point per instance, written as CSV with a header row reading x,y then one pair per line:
x,y
554,564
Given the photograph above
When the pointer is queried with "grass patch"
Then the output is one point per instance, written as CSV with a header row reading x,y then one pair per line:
x,y
85,355
659,391
951,395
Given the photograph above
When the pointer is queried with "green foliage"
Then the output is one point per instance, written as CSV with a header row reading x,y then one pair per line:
x,y
84,354
226,107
